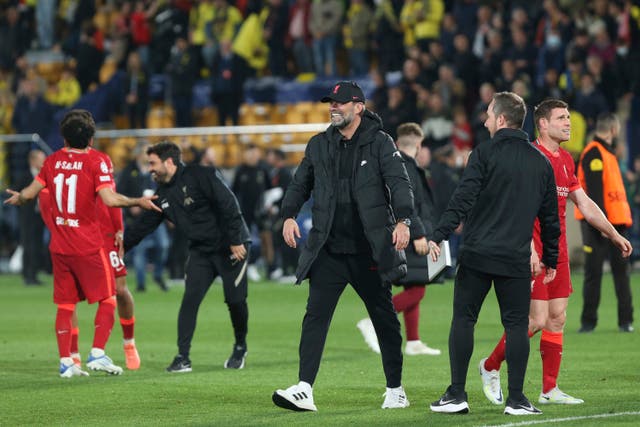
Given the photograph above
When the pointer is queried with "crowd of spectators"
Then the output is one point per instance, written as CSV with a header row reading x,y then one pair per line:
x,y
433,62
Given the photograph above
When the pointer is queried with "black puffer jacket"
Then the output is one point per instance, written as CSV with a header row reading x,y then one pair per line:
x,y
380,186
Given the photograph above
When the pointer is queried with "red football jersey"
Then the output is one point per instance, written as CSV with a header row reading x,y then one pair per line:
x,y
110,218
566,182
74,178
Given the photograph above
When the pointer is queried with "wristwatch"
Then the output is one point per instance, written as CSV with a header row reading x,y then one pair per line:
x,y
405,221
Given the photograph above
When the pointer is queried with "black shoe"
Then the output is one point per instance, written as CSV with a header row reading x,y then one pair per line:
x,y
161,283
141,289
32,282
585,329
521,408
180,364
450,404
236,360
626,328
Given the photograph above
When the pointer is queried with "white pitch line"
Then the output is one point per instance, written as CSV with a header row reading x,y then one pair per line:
x,y
559,420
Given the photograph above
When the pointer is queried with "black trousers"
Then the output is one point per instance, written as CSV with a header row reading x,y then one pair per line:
x,y
597,249
514,296
329,276
201,271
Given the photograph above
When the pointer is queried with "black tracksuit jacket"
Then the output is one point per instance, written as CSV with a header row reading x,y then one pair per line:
x,y
507,184
201,205
380,186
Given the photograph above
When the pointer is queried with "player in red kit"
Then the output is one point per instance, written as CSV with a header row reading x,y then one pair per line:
x,y
75,176
112,228
549,301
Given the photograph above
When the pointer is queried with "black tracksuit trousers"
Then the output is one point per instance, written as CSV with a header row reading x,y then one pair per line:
x,y
601,248
514,296
329,276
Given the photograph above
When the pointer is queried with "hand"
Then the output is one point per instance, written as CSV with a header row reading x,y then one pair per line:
x,y
434,250
400,236
119,243
238,252
622,244
15,199
535,264
290,231
421,246
549,273
146,202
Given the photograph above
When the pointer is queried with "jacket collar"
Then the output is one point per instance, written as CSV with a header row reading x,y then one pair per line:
x,y
369,125
604,144
510,133
175,176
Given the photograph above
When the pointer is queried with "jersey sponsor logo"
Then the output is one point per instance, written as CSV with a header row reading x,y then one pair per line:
x,y
562,191
105,178
596,165
70,166
164,204
75,223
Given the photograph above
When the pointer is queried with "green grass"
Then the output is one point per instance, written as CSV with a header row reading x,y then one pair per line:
x,y
603,368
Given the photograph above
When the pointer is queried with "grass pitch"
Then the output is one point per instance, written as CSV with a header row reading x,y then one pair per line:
x,y
603,368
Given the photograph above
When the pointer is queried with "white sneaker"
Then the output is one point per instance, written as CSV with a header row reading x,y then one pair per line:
x,y
276,274
98,361
253,274
69,369
417,347
395,398
369,334
298,397
491,384
557,396
287,280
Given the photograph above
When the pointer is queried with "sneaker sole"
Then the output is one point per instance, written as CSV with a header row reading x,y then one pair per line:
x,y
543,401
513,411
460,408
285,403
103,369
178,371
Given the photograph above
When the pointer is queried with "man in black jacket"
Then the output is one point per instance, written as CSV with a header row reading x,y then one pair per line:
x,y
505,186
198,202
362,202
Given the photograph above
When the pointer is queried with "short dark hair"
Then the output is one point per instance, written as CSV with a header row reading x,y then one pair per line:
x,y
543,110
166,150
605,122
511,106
77,128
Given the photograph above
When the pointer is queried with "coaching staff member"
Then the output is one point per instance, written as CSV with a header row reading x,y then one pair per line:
x,y
199,203
600,177
505,186
362,202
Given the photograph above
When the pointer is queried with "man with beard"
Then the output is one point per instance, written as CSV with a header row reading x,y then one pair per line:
x,y
199,203
362,201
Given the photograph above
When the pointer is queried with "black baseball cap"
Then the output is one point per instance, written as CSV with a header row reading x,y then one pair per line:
x,y
345,91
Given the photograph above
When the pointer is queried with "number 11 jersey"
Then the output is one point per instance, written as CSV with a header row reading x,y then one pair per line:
x,y
74,178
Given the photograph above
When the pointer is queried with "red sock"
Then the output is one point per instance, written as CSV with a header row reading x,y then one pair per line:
x,y
495,359
408,298
105,316
407,302
551,353
63,328
75,332
127,327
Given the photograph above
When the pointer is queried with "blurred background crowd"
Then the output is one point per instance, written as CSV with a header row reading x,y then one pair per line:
x,y
180,64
